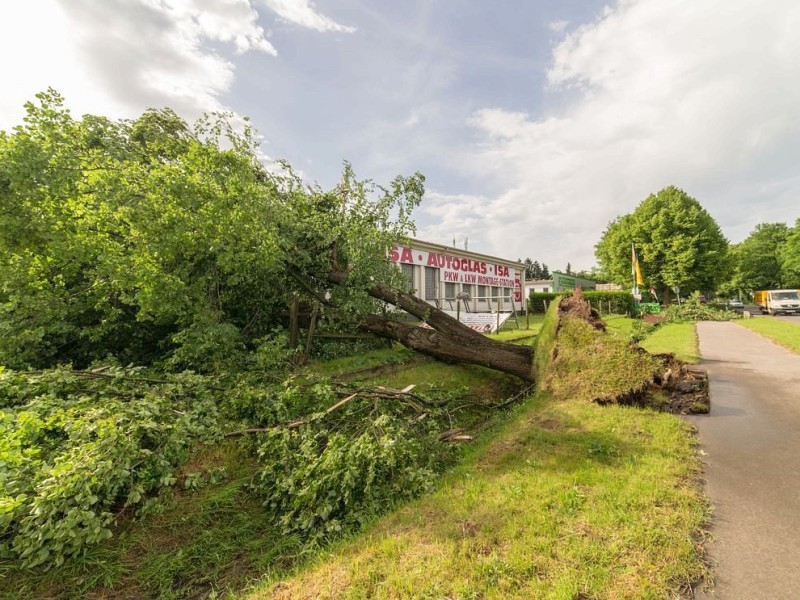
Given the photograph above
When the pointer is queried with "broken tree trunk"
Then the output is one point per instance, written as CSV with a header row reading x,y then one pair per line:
x,y
448,340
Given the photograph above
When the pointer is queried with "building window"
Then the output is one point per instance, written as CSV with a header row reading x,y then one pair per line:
x,y
482,293
449,291
431,284
545,290
408,275
495,293
469,290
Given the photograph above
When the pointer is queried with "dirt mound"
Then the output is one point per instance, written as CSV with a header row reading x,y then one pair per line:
x,y
576,305
681,388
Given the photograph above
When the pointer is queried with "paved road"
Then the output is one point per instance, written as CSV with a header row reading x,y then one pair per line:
x,y
789,318
752,441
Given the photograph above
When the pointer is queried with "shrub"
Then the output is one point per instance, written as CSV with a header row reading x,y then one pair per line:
x,y
78,447
539,302
619,302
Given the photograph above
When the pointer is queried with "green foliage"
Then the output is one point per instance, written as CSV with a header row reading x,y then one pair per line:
x,y
614,302
620,302
156,242
790,258
539,302
692,309
326,477
76,448
534,270
677,243
757,262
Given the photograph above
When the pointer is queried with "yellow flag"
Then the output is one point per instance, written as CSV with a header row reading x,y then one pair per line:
x,y
636,270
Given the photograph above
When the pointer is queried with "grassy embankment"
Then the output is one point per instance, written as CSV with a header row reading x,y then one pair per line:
x,y
780,332
568,499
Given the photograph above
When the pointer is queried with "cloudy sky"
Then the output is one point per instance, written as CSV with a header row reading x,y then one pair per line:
x,y
535,122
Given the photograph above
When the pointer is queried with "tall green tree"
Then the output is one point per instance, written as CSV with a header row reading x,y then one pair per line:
x,y
678,243
790,258
757,262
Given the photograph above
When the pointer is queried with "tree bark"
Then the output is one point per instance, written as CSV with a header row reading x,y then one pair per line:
x,y
449,340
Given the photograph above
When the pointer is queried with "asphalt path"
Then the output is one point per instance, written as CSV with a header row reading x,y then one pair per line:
x,y
751,441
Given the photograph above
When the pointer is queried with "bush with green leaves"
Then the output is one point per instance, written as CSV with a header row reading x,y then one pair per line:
x,y
620,303
614,302
79,447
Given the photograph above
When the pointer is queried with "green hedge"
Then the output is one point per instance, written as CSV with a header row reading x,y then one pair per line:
x,y
539,301
618,302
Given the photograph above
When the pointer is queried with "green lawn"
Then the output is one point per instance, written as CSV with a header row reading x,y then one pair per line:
x,y
528,328
678,338
781,332
570,500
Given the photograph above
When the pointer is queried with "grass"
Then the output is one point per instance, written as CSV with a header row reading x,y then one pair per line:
x,y
219,538
781,332
626,326
570,500
678,338
564,499
592,365
528,328
216,537
396,355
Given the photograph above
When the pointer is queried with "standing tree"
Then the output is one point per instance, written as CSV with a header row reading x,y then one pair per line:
x,y
756,263
545,272
790,257
677,243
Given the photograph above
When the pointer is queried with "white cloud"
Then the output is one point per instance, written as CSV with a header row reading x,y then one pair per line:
x,y
456,216
703,95
558,26
118,57
302,12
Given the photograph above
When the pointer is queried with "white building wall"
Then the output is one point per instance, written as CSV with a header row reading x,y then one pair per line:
x,y
494,284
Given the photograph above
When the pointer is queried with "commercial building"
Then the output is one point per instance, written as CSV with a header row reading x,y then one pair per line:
x,y
445,276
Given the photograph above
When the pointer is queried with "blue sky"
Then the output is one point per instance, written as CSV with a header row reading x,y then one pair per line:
x,y
535,122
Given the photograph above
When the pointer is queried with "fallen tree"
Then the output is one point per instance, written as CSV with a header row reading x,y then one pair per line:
x,y
184,251
448,340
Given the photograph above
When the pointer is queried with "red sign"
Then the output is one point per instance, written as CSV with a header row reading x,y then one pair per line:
x,y
457,269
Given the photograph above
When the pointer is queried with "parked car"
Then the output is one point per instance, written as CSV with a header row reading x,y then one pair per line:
x,y
735,304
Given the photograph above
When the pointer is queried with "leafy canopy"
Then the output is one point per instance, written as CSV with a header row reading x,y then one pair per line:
x,y
757,262
156,242
677,243
790,257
